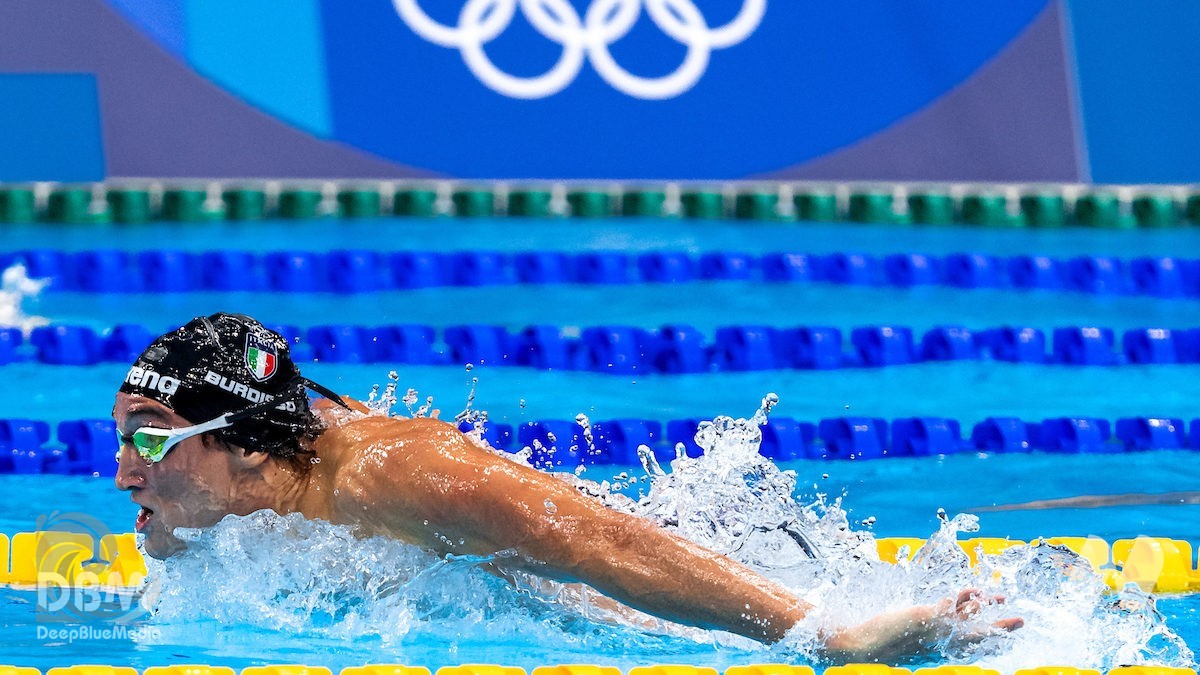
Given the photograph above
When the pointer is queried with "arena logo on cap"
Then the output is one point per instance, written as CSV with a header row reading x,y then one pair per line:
x,y
261,357
148,379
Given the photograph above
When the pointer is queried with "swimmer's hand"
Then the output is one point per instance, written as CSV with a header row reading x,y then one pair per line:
x,y
917,630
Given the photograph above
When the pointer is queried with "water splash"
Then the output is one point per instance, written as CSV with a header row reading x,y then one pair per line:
x,y
586,424
313,578
382,404
15,287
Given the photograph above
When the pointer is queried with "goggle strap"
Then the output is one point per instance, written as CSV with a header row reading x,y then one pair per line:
x,y
219,423
327,393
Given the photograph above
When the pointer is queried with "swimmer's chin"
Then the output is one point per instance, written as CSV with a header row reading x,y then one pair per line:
x,y
160,546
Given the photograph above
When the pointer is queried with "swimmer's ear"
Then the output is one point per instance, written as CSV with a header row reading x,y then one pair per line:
x,y
247,459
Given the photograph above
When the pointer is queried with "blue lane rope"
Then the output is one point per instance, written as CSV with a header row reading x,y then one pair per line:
x,y
88,446
671,349
361,271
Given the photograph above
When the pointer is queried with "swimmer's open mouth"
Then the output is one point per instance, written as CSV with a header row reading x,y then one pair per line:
x,y
144,515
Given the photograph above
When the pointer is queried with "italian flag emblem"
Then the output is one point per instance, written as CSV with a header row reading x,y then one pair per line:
x,y
261,357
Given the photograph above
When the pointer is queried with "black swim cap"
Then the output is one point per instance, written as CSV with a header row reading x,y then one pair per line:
x,y
226,363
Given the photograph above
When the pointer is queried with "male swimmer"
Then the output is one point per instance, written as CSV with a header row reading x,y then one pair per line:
x,y
214,419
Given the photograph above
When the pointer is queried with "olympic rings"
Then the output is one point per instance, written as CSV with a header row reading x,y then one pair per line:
x,y
584,38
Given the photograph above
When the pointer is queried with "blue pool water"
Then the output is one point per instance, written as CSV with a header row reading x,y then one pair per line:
x,y
626,234
902,495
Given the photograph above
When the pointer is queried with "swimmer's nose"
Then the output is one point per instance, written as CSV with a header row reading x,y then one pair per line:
x,y
131,471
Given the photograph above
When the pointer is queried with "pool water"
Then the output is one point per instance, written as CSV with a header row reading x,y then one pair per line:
x,y
901,494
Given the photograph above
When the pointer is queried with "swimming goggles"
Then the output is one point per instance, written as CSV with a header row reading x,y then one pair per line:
x,y
153,443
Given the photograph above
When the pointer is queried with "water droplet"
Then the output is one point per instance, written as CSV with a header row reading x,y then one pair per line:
x,y
469,367
551,508
314,460
522,403
824,476
768,403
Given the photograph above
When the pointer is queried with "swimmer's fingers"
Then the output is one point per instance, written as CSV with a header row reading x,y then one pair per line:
x,y
1010,624
1001,627
966,638
971,600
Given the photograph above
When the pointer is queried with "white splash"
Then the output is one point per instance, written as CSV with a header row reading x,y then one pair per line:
x,y
316,579
15,287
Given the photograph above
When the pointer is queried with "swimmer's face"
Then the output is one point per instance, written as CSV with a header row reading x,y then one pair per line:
x,y
193,486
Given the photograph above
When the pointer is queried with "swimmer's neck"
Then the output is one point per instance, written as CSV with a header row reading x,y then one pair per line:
x,y
276,485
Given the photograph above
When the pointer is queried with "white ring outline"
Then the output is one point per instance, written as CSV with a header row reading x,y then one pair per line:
x,y
587,38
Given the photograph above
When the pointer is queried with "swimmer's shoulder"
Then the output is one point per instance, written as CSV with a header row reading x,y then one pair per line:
x,y
367,449
360,431
381,468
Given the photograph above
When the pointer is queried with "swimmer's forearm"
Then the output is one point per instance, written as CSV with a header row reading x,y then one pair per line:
x,y
665,575
883,638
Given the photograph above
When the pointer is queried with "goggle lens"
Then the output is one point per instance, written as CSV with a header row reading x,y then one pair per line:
x,y
149,446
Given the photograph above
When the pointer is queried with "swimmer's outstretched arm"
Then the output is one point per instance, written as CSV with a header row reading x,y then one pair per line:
x,y
424,481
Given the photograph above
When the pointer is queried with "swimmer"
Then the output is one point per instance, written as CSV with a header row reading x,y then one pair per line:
x,y
214,419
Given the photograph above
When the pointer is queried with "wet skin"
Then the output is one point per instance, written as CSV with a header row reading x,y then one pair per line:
x,y
424,482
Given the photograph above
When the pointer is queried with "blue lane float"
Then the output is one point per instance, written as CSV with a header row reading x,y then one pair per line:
x,y
10,345
1153,345
229,271
1016,345
362,271
681,349
877,346
546,267
971,270
88,447
418,269
815,348
727,266
853,269
949,343
1034,272
1005,434
667,267
627,350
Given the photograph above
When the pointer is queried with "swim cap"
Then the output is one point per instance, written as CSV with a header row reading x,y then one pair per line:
x,y
226,363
